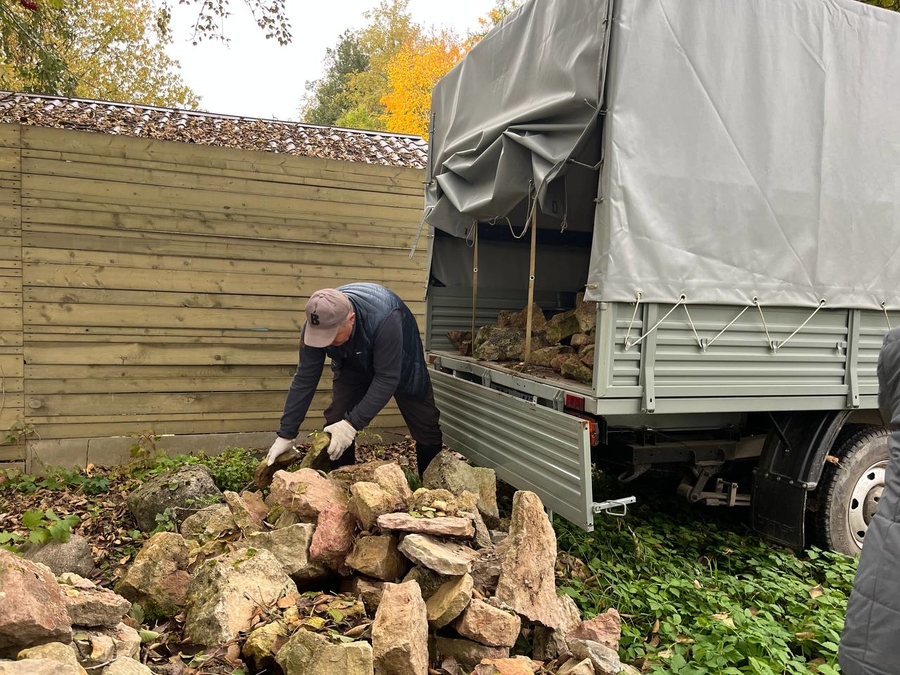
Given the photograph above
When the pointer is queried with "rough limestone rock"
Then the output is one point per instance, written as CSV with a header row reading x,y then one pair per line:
x,y
94,607
586,313
400,631
378,557
516,665
305,493
226,590
37,667
159,574
467,653
179,490
604,628
538,320
445,558
125,666
255,503
586,354
306,653
486,567
441,501
246,518
32,606
290,545
96,646
551,643
210,522
357,473
497,343
442,526
263,643
561,326
544,356
392,480
449,601
489,625
369,591
54,651
482,536
368,501
527,580
577,370
333,538
605,660
576,667
454,475
61,557
429,580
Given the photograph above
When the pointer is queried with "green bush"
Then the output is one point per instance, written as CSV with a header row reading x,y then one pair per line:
x,y
232,470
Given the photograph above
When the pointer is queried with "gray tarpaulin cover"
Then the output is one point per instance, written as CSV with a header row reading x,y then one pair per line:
x,y
750,147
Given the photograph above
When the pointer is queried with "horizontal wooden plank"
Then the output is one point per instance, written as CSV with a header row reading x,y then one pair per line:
x,y
411,285
164,372
10,300
10,248
11,338
158,354
225,250
10,135
87,190
75,337
122,315
119,403
10,268
44,138
11,319
10,196
10,284
114,222
181,182
12,457
10,160
180,384
12,400
151,298
334,177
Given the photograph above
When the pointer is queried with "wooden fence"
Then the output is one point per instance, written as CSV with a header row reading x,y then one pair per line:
x,y
153,285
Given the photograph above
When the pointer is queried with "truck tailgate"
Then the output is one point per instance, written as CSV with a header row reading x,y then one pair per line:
x,y
531,447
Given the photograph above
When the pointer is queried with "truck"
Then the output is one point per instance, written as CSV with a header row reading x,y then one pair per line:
x,y
721,181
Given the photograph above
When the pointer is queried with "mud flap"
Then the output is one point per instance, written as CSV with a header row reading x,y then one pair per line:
x,y
790,466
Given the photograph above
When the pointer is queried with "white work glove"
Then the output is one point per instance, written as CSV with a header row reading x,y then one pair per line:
x,y
279,447
342,435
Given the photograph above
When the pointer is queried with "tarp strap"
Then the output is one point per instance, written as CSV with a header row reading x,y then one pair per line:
x,y
886,317
778,345
691,321
740,314
681,300
637,303
474,286
415,244
531,266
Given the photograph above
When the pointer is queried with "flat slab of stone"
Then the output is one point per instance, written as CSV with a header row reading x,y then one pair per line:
x,y
445,558
441,526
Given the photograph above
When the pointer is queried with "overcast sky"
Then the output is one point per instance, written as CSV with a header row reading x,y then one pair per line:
x,y
256,77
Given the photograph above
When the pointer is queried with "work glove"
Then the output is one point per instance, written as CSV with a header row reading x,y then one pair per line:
x,y
342,435
279,447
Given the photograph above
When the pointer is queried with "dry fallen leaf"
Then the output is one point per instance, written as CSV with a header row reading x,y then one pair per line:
x,y
816,591
724,618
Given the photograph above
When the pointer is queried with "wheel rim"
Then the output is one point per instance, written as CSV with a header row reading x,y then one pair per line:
x,y
864,500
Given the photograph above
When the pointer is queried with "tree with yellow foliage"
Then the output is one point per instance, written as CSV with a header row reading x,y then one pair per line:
x,y
412,74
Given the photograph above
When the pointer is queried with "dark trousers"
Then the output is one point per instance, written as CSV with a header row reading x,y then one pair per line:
x,y
420,414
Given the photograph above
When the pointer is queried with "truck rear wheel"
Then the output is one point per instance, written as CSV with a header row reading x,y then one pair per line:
x,y
850,489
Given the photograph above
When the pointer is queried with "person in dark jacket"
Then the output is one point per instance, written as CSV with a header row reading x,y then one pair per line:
x,y
872,626
373,341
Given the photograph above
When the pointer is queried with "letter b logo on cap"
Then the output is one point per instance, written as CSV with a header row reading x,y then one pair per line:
x,y
314,319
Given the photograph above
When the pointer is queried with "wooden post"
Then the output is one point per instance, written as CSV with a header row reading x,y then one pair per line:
x,y
474,289
528,315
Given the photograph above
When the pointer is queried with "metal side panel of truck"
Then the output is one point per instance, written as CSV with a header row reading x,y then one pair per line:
x,y
686,373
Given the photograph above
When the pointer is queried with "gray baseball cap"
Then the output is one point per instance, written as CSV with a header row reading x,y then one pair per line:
x,y
326,312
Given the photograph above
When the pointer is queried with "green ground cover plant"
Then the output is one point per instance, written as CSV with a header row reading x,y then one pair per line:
x,y
699,593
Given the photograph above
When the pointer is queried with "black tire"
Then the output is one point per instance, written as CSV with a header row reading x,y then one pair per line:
x,y
850,489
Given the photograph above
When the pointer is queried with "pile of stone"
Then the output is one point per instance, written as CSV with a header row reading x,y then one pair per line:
x,y
564,342
345,573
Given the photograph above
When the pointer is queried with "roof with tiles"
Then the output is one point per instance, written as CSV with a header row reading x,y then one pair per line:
x,y
189,126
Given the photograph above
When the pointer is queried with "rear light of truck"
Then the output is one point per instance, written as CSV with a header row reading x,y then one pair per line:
x,y
575,402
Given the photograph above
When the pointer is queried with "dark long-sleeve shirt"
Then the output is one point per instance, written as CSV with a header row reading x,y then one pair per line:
x,y
381,362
